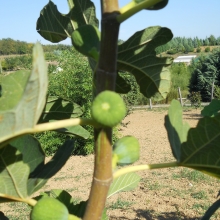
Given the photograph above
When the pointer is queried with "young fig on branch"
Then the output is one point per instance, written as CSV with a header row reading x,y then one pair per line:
x,y
108,109
126,151
49,209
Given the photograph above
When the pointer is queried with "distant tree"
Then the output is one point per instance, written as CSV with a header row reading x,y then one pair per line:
x,y
195,43
205,71
212,40
188,48
181,48
206,42
190,42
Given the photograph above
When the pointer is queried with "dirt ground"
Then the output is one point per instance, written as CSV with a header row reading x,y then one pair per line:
x,y
166,194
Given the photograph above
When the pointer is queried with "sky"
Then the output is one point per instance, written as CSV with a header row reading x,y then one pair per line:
x,y
186,18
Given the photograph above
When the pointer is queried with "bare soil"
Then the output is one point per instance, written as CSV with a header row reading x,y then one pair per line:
x,y
166,194
171,194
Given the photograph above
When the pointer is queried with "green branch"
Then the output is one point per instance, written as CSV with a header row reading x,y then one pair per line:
x,y
143,167
132,8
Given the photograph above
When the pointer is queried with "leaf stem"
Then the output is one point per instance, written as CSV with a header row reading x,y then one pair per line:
x,y
64,123
143,167
132,8
48,127
29,201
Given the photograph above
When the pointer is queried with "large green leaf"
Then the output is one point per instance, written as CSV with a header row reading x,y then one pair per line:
x,y
13,86
176,129
86,39
27,112
59,109
137,55
31,150
201,151
55,27
124,183
39,178
13,173
212,109
77,131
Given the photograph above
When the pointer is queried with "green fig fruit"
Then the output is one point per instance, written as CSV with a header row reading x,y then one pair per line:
x,y
108,108
126,150
49,209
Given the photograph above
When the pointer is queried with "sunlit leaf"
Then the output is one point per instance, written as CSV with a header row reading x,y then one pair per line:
x,y
86,39
55,26
212,109
29,108
13,86
137,55
31,150
124,183
176,129
13,173
201,151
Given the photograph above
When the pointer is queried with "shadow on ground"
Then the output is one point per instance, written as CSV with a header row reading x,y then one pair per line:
x,y
150,214
193,116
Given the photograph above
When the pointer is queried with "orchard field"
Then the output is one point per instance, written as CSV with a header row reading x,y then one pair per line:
x,y
165,194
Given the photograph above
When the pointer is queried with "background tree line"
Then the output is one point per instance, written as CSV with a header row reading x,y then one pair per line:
x,y
9,46
186,45
178,44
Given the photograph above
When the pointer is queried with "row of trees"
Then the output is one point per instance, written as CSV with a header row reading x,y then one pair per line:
x,y
178,44
9,46
183,44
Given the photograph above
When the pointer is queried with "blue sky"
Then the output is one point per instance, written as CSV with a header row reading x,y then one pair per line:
x,y
186,18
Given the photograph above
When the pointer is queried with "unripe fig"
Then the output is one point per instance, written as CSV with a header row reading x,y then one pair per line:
x,y
49,209
108,108
126,150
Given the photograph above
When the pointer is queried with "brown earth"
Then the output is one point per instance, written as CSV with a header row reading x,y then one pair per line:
x,y
166,194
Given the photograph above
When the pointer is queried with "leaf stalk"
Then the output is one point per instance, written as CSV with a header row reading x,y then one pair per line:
x,y
64,123
29,201
136,168
132,8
